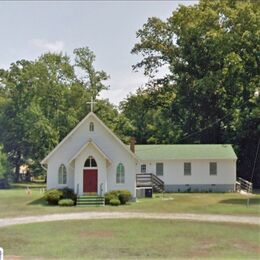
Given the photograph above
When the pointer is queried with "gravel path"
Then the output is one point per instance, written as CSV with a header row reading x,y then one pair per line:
x,y
129,215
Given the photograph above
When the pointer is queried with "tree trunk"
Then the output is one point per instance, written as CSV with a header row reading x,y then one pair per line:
x,y
17,167
17,172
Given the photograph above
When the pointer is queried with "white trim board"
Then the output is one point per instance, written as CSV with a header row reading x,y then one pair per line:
x,y
44,161
95,146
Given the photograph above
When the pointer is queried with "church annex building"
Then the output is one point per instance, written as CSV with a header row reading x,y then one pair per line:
x,y
92,159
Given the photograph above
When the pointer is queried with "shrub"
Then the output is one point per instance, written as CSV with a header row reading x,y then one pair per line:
x,y
68,193
114,202
109,196
53,196
124,196
66,202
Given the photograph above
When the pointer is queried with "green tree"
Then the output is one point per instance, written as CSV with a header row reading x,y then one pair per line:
x,y
41,101
91,79
136,108
4,164
11,121
211,50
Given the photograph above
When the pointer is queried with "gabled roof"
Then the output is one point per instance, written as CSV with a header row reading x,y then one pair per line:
x,y
162,152
90,142
44,161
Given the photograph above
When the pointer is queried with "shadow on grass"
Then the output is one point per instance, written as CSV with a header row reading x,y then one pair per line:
x,y
40,202
252,201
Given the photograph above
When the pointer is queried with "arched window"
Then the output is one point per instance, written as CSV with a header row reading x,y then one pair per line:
x,y
91,127
90,162
120,173
62,175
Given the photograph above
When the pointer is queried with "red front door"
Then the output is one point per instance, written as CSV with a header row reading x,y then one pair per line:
x,y
90,180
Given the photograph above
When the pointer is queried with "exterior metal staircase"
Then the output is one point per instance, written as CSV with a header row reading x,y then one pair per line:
x,y
90,200
149,180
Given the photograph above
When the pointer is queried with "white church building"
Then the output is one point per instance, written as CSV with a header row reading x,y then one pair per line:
x,y
92,159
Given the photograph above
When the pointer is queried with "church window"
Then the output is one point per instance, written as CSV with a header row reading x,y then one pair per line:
x,y
120,173
143,168
62,178
187,168
213,168
90,162
159,169
91,127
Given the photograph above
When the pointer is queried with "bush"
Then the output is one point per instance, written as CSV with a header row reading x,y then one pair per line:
x,y
109,196
66,202
53,196
124,196
68,193
114,202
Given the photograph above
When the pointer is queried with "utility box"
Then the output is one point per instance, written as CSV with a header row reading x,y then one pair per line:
x,y
149,193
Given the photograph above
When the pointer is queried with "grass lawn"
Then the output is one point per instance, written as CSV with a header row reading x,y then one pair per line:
x,y
112,239
15,202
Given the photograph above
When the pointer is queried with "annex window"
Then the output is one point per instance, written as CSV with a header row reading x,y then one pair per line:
x,y
91,127
62,175
159,169
90,162
120,173
187,168
143,168
212,168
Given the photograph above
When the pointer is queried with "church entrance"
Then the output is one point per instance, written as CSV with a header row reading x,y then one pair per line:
x,y
90,180
90,175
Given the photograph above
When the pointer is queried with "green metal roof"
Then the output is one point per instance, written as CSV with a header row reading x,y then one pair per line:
x,y
184,151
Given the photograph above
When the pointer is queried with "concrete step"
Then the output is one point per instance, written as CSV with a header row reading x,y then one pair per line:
x,y
87,200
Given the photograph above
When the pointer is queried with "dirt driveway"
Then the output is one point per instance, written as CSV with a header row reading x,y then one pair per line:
x,y
129,215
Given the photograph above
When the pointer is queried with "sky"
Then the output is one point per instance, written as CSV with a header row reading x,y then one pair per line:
x,y
108,28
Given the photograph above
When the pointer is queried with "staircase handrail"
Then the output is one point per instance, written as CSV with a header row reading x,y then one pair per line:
x,y
145,179
245,185
157,180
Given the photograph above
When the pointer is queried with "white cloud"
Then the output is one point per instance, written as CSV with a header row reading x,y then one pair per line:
x,y
123,84
55,46
4,66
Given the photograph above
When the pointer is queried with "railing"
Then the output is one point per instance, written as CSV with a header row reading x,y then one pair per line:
x,y
149,180
244,185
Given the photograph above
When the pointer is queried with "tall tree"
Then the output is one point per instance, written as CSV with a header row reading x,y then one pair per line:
x,y
91,79
41,101
211,50
4,164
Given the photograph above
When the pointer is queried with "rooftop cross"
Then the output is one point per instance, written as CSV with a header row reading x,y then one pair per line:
x,y
92,102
